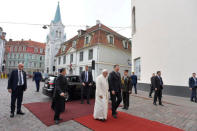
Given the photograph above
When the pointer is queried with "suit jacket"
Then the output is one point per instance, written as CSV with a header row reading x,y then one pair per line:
x,y
152,81
134,79
13,80
158,83
37,76
126,84
191,82
90,79
115,81
61,85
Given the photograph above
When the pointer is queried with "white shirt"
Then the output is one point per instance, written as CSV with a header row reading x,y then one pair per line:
x,y
21,77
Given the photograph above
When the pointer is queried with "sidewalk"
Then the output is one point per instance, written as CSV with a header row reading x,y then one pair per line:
x,y
177,111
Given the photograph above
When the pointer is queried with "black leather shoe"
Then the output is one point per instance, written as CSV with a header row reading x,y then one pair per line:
x,y
11,115
114,116
56,121
60,119
124,108
88,102
81,102
161,104
154,104
20,113
150,97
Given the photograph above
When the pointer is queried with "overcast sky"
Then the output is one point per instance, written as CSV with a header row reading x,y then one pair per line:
x,y
113,13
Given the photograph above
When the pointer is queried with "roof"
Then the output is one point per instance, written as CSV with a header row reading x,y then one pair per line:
x,y
27,43
57,17
102,38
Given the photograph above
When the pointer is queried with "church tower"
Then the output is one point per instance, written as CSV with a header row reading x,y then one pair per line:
x,y
54,39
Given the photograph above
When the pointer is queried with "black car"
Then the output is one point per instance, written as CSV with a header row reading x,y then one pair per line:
x,y
74,87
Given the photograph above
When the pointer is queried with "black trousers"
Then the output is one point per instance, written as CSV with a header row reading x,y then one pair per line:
x,y
116,100
17,95
125,96
135,86
37,85
57,114
158,94
151,91
85,90
193,94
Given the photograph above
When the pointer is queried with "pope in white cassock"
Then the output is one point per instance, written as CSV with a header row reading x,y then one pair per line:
x,y
101,101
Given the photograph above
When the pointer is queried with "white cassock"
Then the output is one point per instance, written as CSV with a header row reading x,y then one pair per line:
x,y
101,105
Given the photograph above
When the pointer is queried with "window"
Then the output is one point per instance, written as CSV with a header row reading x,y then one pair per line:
x,y
41,50
11,48
24,48
80,70
40,65
20,48
74,44
87,39
81,56
56,34
125,44
33,56
30,56
15,49
34,64
64,60
63,48
60,34
111,39
59,60
90,55
71,58
36,50
40,58
137,67
133,21
8,55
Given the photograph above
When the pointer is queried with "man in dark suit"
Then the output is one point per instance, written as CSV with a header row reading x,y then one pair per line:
x,y
134,81
37,77
151,85
192,87
17,84
59,94
126,89
158,86
87,81
115,89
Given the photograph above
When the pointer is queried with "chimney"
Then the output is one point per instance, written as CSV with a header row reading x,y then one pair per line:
x,y
29,39
98,22
22,40
87,27
10,40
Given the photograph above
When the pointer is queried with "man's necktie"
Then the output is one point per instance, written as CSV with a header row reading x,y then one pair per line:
x,y
20,78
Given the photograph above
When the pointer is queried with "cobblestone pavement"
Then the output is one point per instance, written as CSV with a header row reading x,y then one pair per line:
x,y
177,111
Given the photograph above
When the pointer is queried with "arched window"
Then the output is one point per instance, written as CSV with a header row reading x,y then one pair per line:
x,y
133,21
60,34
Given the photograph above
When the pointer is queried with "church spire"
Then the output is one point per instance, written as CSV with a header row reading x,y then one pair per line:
x,y
57,17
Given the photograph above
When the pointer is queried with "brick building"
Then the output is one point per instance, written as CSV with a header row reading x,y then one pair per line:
x,y
99,43
30,53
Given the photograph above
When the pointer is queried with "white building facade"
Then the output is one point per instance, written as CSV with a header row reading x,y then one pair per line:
x,y
55,37
2,48
164,38
89,46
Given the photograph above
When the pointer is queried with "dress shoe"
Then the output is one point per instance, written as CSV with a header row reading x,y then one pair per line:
x,y
154,104
20,113
161,104
88,102
82,102
56,121
12,115
150,97
60,119
192,100
124,108
103,120
114,116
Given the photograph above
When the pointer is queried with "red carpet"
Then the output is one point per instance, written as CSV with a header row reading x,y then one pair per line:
x,y
125,122
43,111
